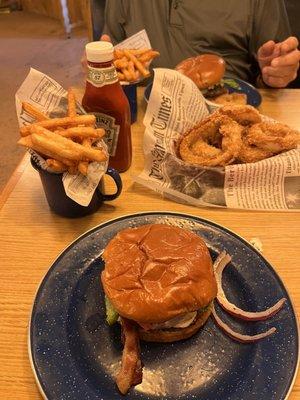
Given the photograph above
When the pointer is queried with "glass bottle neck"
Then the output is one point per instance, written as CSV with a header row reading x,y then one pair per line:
x,y
101,74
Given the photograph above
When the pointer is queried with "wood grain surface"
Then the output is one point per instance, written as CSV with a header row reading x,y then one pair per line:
x,y
32,237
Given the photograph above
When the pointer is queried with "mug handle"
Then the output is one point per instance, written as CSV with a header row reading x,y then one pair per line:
x,y
117,179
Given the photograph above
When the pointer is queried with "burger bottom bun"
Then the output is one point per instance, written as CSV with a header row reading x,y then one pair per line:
x,y
175,334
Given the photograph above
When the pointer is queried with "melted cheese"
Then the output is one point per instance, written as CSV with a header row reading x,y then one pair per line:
x,y
178,322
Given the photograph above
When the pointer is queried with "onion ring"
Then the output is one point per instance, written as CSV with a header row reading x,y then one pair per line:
x,y
238,336
243,115
250,153
273,137
196,145
219,265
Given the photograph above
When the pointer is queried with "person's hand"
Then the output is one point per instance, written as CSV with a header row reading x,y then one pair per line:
x,y
83,60
105,38
279,62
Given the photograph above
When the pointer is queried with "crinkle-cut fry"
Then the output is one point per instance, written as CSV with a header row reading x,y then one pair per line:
x,y
137,63
82,132
83,165
71,103
64,146
34,111
149,55
56,166
121,63
54,123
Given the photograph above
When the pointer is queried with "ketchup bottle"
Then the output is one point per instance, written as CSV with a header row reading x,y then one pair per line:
x,y
105,98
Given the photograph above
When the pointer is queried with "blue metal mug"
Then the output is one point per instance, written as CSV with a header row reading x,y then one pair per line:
x,y
131,94
61,204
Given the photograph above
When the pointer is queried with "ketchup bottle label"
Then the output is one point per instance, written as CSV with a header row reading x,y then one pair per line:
x,y
111,131
99,77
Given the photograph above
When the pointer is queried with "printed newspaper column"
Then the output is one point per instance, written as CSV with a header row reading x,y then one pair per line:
x,y
271,184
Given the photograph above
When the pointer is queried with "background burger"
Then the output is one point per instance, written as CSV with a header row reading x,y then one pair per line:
x,y
159,280
207,71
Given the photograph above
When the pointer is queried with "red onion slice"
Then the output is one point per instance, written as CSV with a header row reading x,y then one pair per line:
x,y
219,265
238,336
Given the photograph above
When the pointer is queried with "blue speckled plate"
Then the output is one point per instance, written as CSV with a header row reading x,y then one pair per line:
x,y
75,354
253,96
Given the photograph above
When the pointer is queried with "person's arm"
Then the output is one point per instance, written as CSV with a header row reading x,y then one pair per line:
x,y
114,20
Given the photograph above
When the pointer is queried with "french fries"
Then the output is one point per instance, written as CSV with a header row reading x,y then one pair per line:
x,y
34,112
132,64
67,142
61,123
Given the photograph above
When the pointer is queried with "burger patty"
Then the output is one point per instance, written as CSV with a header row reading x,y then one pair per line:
x,y
173,334
214,91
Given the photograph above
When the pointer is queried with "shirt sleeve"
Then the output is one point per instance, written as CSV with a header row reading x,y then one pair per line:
x,y
270,22
114,20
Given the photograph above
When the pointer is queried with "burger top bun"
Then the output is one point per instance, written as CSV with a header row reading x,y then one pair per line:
x,y
156,272
205,70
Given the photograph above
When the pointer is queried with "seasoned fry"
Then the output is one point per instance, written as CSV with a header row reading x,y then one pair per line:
x,y
121,63
66,143
127,75
81,132
73,169
65,147
118,53
148,55
132,64
137,63
51,146
56,166
61,122
27,142
34,111
137,52
71,103
83,165
131,69
121,76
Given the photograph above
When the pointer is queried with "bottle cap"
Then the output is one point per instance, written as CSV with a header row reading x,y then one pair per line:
x,y
99,51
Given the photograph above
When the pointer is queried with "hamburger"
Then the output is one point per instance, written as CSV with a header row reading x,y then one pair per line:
x,y
159,280
207,72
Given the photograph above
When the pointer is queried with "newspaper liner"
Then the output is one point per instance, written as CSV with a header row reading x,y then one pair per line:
x,y
45,93
174,106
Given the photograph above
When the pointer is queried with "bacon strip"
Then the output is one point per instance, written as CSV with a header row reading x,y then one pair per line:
x,y
131,372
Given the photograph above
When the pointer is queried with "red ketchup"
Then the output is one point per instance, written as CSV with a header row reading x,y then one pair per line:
x,y
105,98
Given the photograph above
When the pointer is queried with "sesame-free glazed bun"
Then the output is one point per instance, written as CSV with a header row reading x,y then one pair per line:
x,y
156,272
205,70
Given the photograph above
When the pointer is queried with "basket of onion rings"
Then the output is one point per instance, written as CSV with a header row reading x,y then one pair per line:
x,y
235,134
234,157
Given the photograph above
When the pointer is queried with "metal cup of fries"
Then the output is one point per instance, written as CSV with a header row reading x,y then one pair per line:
x,y
68,145
132,67
62,205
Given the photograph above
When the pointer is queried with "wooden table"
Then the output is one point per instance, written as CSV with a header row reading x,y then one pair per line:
x,y
32,237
